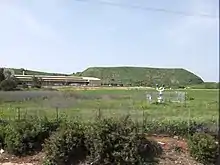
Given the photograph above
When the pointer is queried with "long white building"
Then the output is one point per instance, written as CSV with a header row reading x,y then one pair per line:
x,y
48,80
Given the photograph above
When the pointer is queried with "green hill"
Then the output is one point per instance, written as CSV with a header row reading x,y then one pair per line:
x,y
142,76
31,72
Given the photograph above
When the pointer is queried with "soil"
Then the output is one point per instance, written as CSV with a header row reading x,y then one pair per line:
x,y
175,152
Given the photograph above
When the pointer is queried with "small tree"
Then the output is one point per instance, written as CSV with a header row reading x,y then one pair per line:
x,y
8,74
8,84
2,76
36,82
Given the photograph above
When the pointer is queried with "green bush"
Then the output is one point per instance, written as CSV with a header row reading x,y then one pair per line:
x,y
8,84
189,98
120,142
105,142
66,146
26,136
37,83
2,135
24,86
203,148
179,128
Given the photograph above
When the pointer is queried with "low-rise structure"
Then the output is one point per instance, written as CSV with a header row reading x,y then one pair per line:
x,y
48,80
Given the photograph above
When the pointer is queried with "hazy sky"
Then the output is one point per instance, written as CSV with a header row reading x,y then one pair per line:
x,y
71,35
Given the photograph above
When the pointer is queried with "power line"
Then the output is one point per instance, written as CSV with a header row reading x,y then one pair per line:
x,y
152,9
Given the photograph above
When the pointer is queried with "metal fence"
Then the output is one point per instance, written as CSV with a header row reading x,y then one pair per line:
x,y
168,96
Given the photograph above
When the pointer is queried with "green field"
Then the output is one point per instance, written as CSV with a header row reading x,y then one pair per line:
x,y
80,112
201,105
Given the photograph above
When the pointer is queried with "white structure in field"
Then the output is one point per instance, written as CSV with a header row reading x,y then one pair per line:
x,y
160,90
161,95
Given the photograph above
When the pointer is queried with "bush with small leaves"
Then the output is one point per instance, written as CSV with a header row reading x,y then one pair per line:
x,y
8,84
66,146
179,128
203,148
120,142
24,137
2,135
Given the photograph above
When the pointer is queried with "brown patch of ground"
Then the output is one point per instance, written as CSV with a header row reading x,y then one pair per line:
x,y
7,159
175,151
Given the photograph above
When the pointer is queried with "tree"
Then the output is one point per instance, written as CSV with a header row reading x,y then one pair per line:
x,y
7,74
36,82
8,84
7,81
2,76
23,71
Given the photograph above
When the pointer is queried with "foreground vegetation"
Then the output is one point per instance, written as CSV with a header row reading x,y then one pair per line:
x,y
107,141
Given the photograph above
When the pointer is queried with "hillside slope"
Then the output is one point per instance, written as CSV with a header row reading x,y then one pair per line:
x,y
32,72
142,76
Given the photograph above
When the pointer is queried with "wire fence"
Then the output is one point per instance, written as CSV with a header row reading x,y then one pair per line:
x,y
139,105
168,96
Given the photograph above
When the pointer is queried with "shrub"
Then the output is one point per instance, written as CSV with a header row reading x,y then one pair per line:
x,y
18,137
66,146
24,86
167,127
37,83
2,135
189,98
119,142
106,142
26,136
179,128
8,84
203,148
2,76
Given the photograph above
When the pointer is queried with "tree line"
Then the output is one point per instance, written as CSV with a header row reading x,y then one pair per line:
x,y
8,82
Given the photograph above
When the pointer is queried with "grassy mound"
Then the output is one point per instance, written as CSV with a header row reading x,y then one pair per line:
x,y
141,76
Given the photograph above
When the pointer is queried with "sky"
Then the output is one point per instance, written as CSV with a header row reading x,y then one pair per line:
x,y
68,36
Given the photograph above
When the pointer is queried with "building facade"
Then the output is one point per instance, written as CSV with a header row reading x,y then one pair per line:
x,y
47,80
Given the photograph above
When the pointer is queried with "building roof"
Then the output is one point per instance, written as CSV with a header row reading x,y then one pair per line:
x,y
90,78
46,77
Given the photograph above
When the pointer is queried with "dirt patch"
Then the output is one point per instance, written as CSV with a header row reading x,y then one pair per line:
x,y
175,151
7,159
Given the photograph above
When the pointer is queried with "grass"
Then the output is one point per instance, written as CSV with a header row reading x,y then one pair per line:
x,y
206,85
85,104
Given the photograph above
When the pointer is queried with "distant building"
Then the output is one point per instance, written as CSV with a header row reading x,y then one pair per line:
x,y
48,80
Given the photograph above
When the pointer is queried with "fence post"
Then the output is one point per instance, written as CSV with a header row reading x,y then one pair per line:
x,y
217,128
189,122
144,121
25,115
19,113
1,113
57,113
99,114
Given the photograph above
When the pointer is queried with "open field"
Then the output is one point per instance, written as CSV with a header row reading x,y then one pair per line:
x,y
85,104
